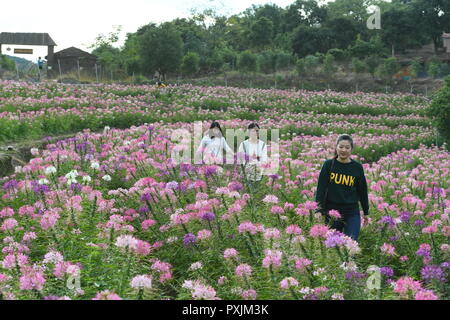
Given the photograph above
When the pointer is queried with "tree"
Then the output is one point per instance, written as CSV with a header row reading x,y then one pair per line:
x,y
190,64
388,68
355,10
311,63
359,66
303,12
433,69
439,111
344,32
300,67
328,65
432,17
415,67
372,62
267,61
308,40
362,49
6,63
161,49
261,33
247,62
399,28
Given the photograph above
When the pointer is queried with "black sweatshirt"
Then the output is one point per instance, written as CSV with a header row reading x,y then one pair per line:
x,y
347,186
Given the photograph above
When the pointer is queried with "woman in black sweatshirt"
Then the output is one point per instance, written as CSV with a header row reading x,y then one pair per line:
x,y
342,184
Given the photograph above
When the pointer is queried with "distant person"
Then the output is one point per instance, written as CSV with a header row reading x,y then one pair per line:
x,y
213,144
41,63
255,151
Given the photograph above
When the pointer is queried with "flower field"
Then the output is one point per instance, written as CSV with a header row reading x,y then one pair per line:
x,y
108,215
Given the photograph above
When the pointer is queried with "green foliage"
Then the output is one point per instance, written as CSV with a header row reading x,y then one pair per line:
x,y
6,63
415,67
161,49
247,62
190,64
359,66
300,66
439,111
388,68
329,66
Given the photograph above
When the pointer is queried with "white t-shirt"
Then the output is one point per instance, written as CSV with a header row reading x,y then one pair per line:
x,y
254,150
213,147
253,168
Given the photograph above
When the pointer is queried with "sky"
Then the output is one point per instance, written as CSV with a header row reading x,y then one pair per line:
x,y
77,23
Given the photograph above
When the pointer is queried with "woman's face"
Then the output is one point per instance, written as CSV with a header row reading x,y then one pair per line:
x,y
253,133
215,131
344,149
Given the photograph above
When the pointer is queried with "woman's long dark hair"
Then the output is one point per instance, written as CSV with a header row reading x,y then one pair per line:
x,y
343,137
213,125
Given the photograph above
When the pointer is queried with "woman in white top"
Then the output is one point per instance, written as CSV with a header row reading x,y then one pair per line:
x,y
213,144
255,151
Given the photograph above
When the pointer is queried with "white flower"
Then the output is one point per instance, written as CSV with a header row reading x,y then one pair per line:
x,y
50,170
43,181
72,174
17,169
87,179
196,266
142,281
171,239
106,177
126,241
70,181
34,151
53,257
95,165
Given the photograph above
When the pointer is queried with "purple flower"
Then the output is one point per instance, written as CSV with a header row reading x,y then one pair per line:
x,y
235,186
419,222
40,188
143,209
208,216
423,251
274,176
387,220
172,185
11,184
146,197
404,216
210,170
445,265
387,271
334,239
189,239
186,167
75,187
433,272
393,239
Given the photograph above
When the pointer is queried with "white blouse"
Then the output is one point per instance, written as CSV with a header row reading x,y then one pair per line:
x,y
254,150
213,147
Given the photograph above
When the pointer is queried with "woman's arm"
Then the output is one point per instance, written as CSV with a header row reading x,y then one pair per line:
x,y
202,145
321,185
362,191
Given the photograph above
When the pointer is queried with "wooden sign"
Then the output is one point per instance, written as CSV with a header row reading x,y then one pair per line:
x,y
23,51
